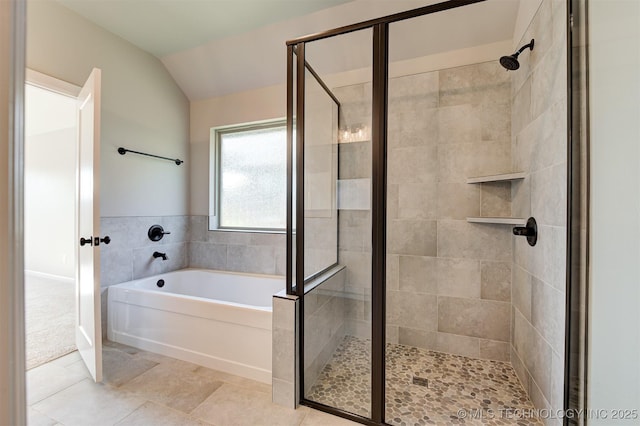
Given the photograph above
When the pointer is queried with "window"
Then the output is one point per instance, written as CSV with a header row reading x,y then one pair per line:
x,y
249,177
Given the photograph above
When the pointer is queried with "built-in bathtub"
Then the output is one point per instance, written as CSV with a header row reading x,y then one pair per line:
x,y
216,319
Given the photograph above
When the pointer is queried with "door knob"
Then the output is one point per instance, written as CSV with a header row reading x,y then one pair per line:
x,y
84,241
98,240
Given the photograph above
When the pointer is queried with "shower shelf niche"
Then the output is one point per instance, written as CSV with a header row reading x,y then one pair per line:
x,y
498,220
505,177
497,178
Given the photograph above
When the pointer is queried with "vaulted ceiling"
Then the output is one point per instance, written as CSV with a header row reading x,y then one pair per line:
x,y
217,47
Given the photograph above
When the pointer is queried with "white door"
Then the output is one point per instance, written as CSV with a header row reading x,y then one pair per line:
x,y
88,324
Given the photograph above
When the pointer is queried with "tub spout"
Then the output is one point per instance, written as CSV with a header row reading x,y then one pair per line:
x,y
157,254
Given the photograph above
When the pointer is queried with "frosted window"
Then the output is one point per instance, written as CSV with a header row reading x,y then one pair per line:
x,y
253,174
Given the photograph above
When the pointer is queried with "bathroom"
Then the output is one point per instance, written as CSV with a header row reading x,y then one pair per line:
x,y
407,202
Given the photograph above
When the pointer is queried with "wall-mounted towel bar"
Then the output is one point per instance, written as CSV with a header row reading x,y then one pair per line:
x,y
123,151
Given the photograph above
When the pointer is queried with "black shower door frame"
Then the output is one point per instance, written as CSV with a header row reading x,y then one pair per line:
x,y
295,279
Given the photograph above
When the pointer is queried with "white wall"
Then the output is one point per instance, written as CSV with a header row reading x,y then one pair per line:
x,y
142,109
614,90
50,182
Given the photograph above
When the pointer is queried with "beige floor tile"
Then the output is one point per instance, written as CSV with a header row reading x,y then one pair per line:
x,y
119,367
88,403
232,379
180,390
35,418
48,379
236,405
79,367
158,415
318,418
67,359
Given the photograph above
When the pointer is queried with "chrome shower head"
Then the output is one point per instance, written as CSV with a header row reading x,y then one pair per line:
x,y
510,62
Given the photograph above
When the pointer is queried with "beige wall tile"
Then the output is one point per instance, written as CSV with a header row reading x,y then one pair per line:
x,y
495,281
412,164
549,195
520,369
412,237
459,124
393,334
457,162
457,344
458,278
495,119
393,272
418,311
548,313
418,274
417,338
495,199
457,238
474,317
417,200
458,200
473,84
354,160
492,349
521,296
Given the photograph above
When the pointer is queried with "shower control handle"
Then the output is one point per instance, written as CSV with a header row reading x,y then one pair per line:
x,y
530,231
84,241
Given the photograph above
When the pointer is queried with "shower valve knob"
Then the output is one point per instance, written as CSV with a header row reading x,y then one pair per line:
x,y
530,231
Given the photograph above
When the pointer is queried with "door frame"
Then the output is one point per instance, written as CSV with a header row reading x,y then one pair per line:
x,y
60,87
12,331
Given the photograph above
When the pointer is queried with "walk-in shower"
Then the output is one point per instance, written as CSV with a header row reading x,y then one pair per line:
x,y
412,156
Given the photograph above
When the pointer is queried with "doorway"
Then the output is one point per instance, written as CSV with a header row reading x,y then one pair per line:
x,y
50,223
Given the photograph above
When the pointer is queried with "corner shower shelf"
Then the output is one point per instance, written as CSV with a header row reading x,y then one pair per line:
x,y
498,220
497,178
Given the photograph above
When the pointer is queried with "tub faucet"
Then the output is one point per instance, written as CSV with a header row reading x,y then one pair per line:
x,y
157,254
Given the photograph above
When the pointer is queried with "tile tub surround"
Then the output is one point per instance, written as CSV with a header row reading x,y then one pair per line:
x,y
142,388
452,383
252,252
129,256
539,140
190,244
285,373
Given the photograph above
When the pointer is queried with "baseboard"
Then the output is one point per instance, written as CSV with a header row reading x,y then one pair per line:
x,y
51,277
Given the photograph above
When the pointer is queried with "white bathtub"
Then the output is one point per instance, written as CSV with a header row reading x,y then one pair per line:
x,y
220,320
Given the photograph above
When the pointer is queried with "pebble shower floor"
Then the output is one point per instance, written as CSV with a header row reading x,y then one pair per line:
x,y
425,387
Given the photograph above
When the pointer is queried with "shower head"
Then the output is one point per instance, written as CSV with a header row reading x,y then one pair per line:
x,y
510,63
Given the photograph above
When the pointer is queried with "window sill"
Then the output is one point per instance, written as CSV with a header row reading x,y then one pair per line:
x,y
249,231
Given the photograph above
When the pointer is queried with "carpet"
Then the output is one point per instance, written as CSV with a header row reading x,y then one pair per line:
x,y
50,319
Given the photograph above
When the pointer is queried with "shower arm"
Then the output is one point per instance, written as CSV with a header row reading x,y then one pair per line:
x,y
523,48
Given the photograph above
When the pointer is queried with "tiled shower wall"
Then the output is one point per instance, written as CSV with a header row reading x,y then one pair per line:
x,y
539,137
449,281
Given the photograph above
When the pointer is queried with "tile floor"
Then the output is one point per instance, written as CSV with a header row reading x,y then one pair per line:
x,y
425,387
142,388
